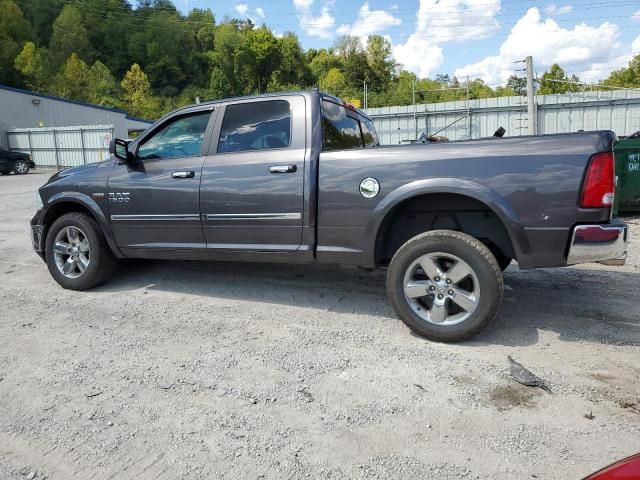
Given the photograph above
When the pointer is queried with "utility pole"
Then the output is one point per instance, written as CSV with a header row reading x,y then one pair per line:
x,y
415,113
531,107
365,92
468,109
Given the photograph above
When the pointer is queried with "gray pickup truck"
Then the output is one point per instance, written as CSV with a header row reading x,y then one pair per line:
x,y
301,178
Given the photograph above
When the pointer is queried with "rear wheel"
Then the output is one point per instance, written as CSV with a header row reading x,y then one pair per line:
x,y
20,167
445,285
77,253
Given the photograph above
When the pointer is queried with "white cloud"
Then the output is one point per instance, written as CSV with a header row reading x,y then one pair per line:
x,y
318,26
313,25
369,22
590,52
241,8
636,16
418,55
635,46
260,12
444,21
554,9
302,4
457,20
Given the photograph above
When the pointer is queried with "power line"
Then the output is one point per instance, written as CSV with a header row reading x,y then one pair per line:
x,y
436,13
584,84
127,20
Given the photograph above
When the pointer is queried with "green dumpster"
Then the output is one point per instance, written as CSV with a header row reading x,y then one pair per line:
x,y
627,157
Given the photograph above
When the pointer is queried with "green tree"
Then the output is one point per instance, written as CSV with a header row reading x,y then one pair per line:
x,y
628,77
380,61
293,71
40,15
505,92
103,87
73,79
333,82
400,92
109,26
69,36
321,61
31,64
202,25
517,84
137,94
355,66
479,89
227,44
258,59
15,31
557,81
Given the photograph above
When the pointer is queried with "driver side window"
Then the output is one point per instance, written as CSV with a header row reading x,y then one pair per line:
x,y
181,137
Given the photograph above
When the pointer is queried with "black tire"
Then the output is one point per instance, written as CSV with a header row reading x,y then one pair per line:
x,y
481,262
4,173
102,262
21,167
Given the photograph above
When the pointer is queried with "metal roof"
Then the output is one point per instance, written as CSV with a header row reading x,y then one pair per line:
x,y
73,102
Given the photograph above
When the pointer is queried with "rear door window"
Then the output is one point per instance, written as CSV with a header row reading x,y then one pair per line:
x,y
255,126
369,136
340,129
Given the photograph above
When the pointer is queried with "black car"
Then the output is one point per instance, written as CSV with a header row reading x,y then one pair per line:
x,y
16,162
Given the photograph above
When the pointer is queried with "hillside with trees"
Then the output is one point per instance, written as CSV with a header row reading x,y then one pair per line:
x,y
152,58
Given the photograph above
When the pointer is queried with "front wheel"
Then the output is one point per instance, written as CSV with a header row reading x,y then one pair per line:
x,y
77,253
445,285
21,167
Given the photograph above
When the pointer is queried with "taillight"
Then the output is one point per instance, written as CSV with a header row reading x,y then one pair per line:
x,y
599,183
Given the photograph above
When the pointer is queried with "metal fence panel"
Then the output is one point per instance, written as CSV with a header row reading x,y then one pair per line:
x,y
617,110
63,147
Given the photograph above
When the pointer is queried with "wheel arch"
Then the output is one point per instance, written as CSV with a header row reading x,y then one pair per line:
x,y
467,194
67,202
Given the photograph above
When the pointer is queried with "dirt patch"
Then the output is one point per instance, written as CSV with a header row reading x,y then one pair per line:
x,y
508,396
603,377
199,370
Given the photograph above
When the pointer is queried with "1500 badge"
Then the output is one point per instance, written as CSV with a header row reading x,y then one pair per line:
x,y
119,197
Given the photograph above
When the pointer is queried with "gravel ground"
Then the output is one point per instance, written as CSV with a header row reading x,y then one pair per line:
x,y
208,370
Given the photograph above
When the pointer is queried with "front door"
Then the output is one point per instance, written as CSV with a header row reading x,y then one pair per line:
x,y
252,191
154,200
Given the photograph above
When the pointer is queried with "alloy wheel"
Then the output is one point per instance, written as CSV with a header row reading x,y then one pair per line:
x,y
441,288
72,252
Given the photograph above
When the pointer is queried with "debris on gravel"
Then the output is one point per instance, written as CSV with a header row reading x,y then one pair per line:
x,y
211,370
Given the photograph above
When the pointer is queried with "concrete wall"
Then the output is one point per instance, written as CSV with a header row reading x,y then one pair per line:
x,y
614,110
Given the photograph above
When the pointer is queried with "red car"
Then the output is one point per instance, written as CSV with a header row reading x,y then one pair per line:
x,y
627,469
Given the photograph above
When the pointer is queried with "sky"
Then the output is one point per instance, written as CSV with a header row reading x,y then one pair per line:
x,y
475,38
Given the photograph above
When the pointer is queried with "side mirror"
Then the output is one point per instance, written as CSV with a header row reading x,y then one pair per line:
x,y
120,149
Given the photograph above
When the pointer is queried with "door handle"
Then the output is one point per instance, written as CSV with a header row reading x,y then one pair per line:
x,y
187,174
283,169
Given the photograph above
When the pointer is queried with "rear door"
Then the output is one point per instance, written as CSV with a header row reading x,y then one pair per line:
x,y
154,201
252,190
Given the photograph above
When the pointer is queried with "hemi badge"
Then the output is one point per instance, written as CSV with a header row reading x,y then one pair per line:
x,y
98,195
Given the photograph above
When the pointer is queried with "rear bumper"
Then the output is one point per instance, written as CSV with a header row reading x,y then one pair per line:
x,y
606,244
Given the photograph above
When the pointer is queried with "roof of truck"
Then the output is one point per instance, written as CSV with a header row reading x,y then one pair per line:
x,y
276,94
